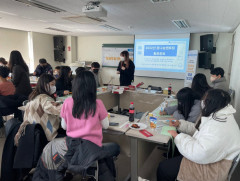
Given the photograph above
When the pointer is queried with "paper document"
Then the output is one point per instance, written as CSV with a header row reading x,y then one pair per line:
x,y
165,130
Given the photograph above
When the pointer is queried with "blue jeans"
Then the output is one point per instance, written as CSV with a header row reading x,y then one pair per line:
x,y
112,149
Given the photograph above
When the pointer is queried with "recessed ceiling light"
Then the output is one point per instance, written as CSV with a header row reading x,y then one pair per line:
x,y
24,17
56,29
38,4
4,12
110,27
160,1
42,21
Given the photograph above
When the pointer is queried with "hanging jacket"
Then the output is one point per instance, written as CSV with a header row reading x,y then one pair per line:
x,y
18,161
73,154
9,150
30,147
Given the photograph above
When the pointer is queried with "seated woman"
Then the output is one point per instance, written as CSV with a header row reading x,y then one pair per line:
x,y
63,83
84,116
188,108
200,85
80,69
42,108
6,88
209,147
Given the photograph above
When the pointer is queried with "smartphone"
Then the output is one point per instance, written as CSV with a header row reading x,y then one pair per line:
x,y
113,124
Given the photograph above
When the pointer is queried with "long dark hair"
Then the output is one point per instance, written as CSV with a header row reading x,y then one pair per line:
x,y
214,101
64,75
126,55
185,99
84,95
200,85
17,59
42,85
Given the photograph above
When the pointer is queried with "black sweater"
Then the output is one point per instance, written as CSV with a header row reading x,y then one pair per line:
x,y
61,87
21,81
127,75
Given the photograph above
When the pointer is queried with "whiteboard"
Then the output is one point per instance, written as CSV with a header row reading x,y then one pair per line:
x,y
111,53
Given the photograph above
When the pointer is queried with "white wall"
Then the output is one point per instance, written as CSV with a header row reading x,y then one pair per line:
x,y
90,49
235,81
222,56
13,40
74,48
43,48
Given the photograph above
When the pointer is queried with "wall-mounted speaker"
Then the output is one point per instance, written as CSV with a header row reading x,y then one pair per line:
x,y
58,42
205,60
59,56
206,43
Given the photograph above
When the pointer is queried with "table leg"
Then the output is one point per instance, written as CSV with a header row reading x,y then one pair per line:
x,y
134,159
119,109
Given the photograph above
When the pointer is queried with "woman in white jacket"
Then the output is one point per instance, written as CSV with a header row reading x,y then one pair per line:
x,y
207,147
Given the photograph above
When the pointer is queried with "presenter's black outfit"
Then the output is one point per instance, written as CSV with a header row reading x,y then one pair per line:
x,y
127,75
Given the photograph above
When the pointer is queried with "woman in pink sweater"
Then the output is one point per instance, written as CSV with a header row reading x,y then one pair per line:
x,y
84,116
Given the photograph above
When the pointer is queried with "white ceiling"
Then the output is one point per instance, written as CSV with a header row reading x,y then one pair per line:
x,y
132,16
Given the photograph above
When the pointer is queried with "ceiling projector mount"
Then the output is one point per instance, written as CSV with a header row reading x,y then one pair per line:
x,y
94,9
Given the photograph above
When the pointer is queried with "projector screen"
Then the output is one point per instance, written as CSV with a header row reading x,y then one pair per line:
x,y
161,55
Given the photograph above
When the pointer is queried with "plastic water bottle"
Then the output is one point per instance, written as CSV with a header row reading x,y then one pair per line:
x,y
131,112
169,89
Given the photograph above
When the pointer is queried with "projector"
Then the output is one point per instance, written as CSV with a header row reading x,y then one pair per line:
x,y
94,11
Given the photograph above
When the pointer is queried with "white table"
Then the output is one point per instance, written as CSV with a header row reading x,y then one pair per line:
x,y
109,99
135,136
143,100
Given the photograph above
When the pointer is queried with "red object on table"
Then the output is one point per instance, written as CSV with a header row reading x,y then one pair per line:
x,y
146,133
141,83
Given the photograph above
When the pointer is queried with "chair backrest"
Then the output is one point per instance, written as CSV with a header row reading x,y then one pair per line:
x,y
232,94
233,167
25,102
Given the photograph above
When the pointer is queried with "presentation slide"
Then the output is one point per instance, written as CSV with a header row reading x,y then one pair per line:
x,y
161,55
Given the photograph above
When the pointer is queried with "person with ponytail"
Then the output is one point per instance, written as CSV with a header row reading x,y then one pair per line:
x,y
42,107
208,147
126,69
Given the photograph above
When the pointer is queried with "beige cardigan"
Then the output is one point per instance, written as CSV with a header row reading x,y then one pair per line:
x,y
42,110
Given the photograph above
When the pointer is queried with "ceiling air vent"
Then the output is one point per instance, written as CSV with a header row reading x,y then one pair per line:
x,y
55,29
110,27
160,1
181,23
41,5
84,20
